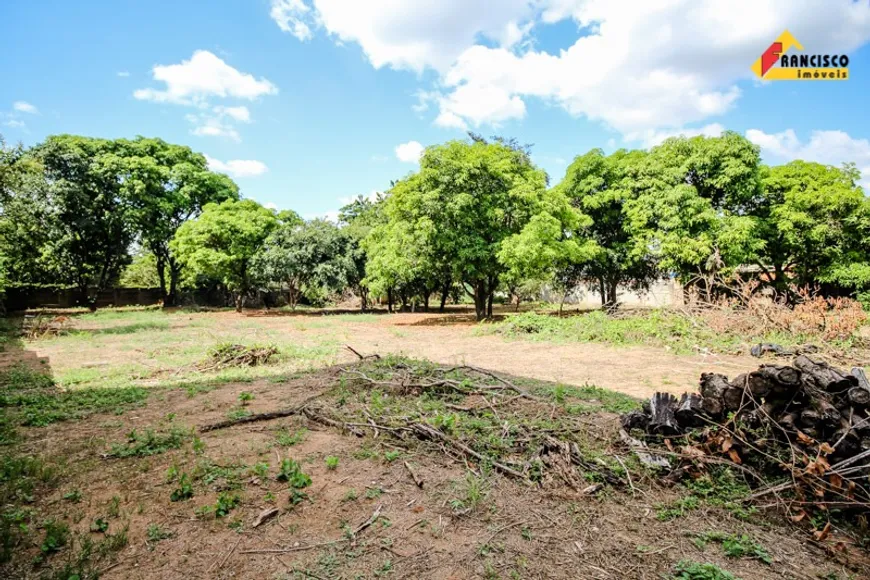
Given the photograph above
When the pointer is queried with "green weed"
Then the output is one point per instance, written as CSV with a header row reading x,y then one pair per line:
x,y
688,570
291,472
287,439
150,442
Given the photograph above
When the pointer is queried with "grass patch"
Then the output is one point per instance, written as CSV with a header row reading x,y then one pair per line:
x,y
689,570
149,442
285,438
735,546
660,328
31,398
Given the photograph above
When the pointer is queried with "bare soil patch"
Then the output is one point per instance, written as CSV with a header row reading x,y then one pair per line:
x,y
467,521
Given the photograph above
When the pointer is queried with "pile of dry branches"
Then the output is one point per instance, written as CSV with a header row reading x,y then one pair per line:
x,y
39,326
505,435
745,308
802,429
236,355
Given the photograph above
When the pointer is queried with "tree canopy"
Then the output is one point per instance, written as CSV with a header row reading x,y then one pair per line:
x,y
459,216
477,217
167,185
222,241
310,259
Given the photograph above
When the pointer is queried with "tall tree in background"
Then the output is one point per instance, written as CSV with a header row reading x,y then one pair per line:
x,y
815,223
309,259
462,207
23,217
357,219
168,185
692,205
89,218
600,185
222,241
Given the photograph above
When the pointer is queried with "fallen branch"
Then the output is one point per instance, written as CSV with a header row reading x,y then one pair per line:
x,y
414,476
253,419
427,432
361,357
372,519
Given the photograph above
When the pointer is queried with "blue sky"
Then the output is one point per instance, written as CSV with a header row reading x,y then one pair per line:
x,y
309,102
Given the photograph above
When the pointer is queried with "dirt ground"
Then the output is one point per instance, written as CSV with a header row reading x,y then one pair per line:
x,y
364,516
516,531
449,339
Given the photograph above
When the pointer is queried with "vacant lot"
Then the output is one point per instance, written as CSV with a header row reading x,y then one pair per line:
x,y
152,347
126,455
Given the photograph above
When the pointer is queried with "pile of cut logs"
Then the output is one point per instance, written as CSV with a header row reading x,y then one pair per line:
x,y
807,401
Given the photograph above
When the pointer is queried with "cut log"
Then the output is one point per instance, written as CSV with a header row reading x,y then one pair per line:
x,y
810,418
689,410
785,376
662,414
788,421
733,398
823,376
635,420
859,374
756,384
713,386
859,396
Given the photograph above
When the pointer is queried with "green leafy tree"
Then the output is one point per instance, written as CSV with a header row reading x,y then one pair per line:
x,y
462,208
23,217
357,219
692,205
141,272
600,185
88,218
815,223
168,185
221,242
309,259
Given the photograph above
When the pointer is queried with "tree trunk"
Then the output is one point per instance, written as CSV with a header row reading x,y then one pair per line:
x,y
292,297
161,276
426,301
603,291
171,299
390,300
240,301
480,296
86,299
363,299
445,292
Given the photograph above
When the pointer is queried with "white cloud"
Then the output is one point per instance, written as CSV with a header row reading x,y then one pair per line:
x,y
409,35
123,74
828,147
238,113
637,66
15,124
237,167
409,152
289,15
271,205
25,107
204,75
216,129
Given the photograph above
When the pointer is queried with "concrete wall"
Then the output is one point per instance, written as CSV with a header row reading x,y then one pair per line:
x,y
661,294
